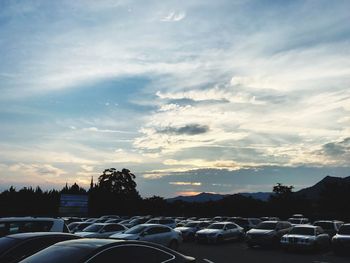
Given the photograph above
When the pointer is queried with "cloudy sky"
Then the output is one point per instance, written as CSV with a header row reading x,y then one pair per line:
x,y
218,96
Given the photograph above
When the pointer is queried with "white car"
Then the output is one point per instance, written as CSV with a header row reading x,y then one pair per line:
x,y
219,232
305,237
14,225
101,230
155,233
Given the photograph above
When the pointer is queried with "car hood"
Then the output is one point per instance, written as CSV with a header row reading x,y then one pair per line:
x,y
260,231
125,236
209,231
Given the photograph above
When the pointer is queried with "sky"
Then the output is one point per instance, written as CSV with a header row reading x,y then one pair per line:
x,y
217,96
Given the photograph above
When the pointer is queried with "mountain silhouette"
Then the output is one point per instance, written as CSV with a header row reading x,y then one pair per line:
x,y
314,191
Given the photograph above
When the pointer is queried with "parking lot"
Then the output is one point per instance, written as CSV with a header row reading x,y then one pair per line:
x,y
240,253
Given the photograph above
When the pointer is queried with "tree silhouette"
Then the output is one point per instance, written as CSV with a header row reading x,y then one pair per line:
x,y
117,182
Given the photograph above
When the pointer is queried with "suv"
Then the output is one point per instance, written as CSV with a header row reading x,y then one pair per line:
x,y
14,225
267,233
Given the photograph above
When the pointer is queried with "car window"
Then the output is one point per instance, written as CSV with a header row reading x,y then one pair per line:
x,y
230,226
14,228
157,230
3,229
132,254
37,226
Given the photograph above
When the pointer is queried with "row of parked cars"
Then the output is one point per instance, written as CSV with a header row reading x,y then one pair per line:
x,y
147,239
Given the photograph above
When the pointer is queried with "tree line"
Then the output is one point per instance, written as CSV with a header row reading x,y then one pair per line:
x,y
115,192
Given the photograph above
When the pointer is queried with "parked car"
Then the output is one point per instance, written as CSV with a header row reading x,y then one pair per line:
x,y
246,223
331,227
220,232
267,233
341,241
77,227
14,225
305,237
298,221
107,250
101,230
189,230
163,221
155,233
14,248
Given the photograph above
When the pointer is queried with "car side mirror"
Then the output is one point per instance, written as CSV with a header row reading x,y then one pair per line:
x,y
144,234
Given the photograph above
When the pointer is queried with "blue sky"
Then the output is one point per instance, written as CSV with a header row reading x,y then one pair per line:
x,y
217,96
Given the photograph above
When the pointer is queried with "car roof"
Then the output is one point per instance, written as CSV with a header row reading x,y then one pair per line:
x,y
304,226
38,234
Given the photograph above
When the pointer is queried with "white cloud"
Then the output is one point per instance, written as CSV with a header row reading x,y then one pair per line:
x,y
174,17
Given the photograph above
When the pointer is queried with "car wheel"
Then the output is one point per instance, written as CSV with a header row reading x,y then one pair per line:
x,y
174,245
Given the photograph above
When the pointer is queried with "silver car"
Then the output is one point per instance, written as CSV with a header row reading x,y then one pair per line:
x,y
101,230
305,237
189,230
155,233
219,232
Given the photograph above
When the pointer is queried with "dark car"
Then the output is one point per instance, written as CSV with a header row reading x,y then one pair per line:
x,y
331,227
341,241
267,233
14,248
107,250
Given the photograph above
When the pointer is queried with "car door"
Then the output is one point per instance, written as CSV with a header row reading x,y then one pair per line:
x,y
165,235
151,235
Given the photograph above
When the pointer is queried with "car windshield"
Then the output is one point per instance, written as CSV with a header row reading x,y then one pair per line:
x,y
135,230
216,226
82,226
267,225
240,221
325,225
191,224
307,231
93,228
153,221
6,243
344,230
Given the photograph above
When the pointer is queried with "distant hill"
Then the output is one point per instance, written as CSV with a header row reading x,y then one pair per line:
x,y
206,197
314,191
200,198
